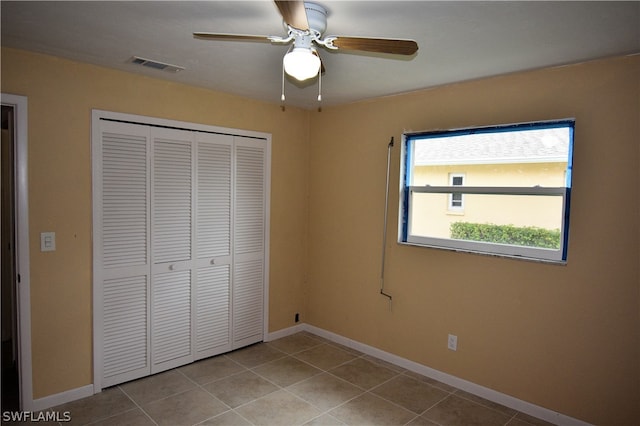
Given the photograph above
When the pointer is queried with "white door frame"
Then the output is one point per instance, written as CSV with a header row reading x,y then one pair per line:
x,y
19,103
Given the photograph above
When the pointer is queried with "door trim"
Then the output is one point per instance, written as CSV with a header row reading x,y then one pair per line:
x,y
19,103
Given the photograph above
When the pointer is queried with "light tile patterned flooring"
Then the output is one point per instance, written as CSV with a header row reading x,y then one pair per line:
x,y
301,379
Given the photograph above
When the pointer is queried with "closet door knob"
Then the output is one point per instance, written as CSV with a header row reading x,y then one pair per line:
x,y
172,267
213,261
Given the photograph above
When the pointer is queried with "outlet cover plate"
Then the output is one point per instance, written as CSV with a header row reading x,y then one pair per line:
x,y
452,342
47,241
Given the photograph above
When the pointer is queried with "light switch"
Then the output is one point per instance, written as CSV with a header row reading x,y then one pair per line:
x,y
47,241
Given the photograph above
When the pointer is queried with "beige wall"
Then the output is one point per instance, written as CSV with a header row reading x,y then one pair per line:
x,y
61,95
433,217
563,337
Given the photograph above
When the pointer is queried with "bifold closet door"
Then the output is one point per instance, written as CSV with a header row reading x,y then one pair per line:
x,y
180,259
172,231
249,229
191,234
121,250
214,211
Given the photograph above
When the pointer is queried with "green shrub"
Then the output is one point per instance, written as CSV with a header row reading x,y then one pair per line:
x,y
529,236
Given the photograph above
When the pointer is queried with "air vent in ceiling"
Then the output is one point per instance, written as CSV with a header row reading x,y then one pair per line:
x,y
155,64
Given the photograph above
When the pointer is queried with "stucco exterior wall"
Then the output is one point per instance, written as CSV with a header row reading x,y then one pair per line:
x,y
432,215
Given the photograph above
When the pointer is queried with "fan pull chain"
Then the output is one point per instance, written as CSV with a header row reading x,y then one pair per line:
x,y
282,96
320,90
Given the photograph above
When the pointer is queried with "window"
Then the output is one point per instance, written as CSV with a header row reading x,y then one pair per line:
x,y
507,189
455,198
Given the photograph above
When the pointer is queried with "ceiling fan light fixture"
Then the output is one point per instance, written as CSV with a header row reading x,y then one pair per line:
x,y
301,63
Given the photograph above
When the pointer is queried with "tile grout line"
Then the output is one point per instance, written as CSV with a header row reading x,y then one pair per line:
x,y
201,386
280,354
370,391
327,371
229,408
364,391
179,372
284,355
271,345
446,388
320,371
279,387
274,383
110,416
512,418
395,404
448,395
138,405
486,405
322,412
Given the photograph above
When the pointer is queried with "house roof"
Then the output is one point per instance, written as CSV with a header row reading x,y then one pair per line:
x,y
549,145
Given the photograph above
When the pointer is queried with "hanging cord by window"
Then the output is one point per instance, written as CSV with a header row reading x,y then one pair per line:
x,y
320,90
384,228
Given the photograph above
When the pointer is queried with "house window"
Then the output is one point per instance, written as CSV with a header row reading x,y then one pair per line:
x,y
456,202
517,204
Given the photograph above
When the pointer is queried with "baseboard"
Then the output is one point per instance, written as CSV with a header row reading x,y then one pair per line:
x,y
284,332
88,390
62,398
481,391
478,390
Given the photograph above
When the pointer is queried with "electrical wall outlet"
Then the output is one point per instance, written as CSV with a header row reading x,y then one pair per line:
x,y
452,342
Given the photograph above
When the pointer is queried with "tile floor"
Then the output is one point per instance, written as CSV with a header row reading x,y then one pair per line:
x,y
301,379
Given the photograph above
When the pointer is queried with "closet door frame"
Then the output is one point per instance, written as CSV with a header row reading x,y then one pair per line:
x,y
98,115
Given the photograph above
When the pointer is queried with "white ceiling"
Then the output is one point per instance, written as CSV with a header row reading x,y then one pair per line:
x,y
457,41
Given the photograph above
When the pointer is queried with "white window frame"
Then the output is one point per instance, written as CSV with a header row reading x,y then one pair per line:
x,y
505,250
450,201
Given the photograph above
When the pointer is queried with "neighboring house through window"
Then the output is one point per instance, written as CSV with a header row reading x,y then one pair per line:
x,y
507,189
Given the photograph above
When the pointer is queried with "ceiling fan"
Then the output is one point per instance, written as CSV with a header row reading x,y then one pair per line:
x,y
306,23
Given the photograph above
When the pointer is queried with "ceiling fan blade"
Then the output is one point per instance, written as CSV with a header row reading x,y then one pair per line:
x,y
231,37
378,45
293,13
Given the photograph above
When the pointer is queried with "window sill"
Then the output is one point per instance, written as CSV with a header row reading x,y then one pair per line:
x,y
481,253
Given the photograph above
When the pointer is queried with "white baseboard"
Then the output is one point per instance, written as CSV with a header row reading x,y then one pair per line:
x,y
88,390
481,391
62,398
284,332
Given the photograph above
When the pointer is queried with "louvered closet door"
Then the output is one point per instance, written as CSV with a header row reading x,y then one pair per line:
x,y
213,244
122,251
180,245
171,236
249,241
